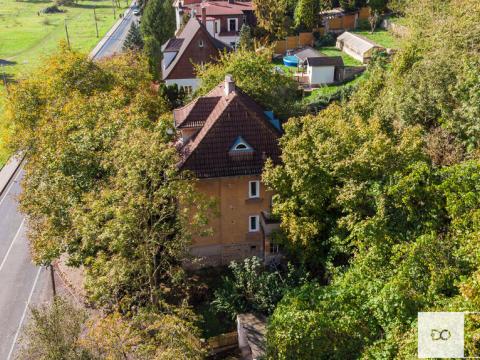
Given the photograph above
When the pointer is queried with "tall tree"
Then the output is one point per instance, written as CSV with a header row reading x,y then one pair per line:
x,y
307,14
377,7
158,25
271,16
134,40
246,40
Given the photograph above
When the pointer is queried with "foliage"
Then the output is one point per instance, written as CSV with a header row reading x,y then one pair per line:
x,y
380,199
158,25
246,41
254,73
147,336
54,332
134,40
306,14
271,16
87,127
377,7
254,288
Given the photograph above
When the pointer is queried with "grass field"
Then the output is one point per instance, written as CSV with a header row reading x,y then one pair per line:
x,y
381,37
27,36
333,51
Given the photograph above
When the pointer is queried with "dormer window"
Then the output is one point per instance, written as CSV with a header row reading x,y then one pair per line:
x,y
200,44
241,146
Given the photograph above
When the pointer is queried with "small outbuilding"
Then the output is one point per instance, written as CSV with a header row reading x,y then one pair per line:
x,y
319,68
357,46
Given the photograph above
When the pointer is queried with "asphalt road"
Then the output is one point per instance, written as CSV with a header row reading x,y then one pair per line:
x,y
22,284
113,42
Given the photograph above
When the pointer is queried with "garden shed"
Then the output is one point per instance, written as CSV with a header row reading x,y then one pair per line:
x,y
357,46
320,69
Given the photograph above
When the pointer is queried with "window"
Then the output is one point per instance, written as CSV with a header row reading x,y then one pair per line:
x,y
200,44
254,189
232,24
274,248
253,223
241,145
217,26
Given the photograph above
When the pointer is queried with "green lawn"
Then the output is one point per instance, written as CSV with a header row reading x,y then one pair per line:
x,y
27,36
333,51
328,91
381,37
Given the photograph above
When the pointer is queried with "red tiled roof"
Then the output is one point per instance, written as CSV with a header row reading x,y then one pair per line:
x,y
216,8
208,154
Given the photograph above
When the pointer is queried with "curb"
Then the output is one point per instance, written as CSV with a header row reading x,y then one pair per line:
x,y
17,161
109,33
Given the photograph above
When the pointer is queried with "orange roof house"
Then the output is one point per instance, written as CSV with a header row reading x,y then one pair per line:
x,y
225,137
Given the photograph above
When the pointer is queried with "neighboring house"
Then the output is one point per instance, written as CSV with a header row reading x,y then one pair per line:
x,y
193,45
225,139
357,46
224,19
319,68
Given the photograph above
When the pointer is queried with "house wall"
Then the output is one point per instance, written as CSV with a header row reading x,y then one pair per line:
x,y
194,83
194,54
230,238
320,75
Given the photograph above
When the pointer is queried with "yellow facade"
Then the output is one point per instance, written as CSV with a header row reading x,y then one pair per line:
x,y
231,236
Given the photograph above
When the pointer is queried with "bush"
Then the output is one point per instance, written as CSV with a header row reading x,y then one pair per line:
x,y
255,288
328,39
51,10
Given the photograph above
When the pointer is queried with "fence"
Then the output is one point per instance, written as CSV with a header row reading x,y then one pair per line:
x,y
293,42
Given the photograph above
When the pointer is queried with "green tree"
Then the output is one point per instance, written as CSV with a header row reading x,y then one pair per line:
x,y
158,25
307,14
246,41
271,16
53,333
377,7
254,73
254,288
134,40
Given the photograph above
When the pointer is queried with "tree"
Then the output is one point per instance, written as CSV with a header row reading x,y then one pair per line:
x,y
254,73
246,41
271,16
307,14
377,7
134,40
53,333
384,192
158,25
254,288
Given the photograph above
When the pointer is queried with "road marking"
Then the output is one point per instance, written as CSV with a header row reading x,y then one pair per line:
x,y
11,245
10,187
24,314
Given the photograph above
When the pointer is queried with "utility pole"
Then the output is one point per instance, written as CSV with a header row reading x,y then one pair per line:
x,y
113,7
95,16
52,277
66,32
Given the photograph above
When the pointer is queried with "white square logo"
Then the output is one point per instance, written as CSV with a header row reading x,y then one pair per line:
x,y
441,335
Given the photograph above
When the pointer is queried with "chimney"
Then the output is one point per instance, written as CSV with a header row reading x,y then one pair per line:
x,y
204,15
229,85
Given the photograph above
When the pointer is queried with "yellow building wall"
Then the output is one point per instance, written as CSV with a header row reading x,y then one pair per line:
x,y
230,238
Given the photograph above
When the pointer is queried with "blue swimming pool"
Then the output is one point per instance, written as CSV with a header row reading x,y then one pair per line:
x,y
291,60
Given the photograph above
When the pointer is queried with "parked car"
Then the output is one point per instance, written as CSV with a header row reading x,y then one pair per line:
x,y
136,12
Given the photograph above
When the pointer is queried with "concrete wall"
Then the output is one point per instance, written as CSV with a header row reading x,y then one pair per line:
x,y
230,238
320,75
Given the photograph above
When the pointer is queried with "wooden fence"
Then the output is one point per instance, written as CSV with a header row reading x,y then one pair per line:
x,y
293,42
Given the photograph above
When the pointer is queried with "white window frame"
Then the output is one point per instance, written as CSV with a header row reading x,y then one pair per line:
x,y
236,24
217,26
257,185
257,222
